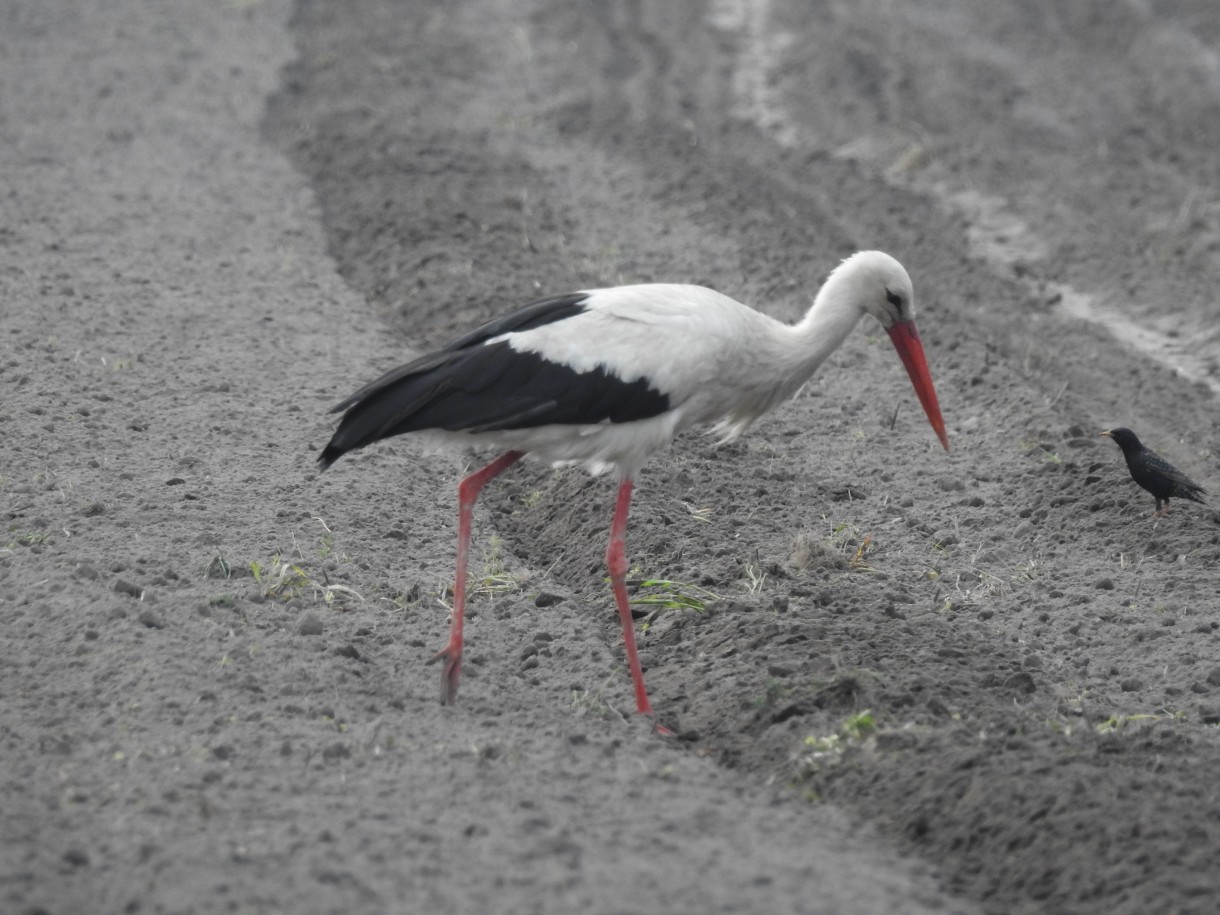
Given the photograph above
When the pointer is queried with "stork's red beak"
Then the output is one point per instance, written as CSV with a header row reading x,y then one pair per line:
x,y
906,340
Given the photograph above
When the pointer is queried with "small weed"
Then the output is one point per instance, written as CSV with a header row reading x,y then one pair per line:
x,y
987,585
340,726
853,544
497,584
845,686
496,579
287,580
122,363
860,725
756,577
857,561
1116,723
667,772
842,534
699,514
821,754
403,599
671,595
28,538
326,542
592,702
278,578
1030,570
218,567
775,690
1029,445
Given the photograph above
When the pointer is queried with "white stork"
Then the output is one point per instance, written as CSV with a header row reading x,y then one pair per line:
x,y
605,377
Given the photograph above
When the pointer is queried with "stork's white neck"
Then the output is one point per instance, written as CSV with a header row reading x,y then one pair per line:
x,y
787,355
835,312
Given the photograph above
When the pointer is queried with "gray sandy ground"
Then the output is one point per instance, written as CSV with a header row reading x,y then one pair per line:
x,y
221,218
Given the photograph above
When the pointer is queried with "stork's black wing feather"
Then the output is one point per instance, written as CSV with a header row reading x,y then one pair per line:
x,y
535,314
475,385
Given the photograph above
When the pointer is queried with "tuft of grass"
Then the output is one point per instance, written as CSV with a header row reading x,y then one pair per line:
x,y
845,537
853,545
123,363
326,542
495,577
699,514
857,561
821,754
218,567
985,585
287,580
671,595
860,725
775,690
1116,723
593,702
756,576
26,538
403,599
1030,570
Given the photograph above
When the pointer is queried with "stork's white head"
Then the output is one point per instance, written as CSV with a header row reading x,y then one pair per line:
x,y
876,284
873,283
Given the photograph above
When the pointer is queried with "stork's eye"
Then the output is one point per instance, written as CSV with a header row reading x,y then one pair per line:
x,y
894,299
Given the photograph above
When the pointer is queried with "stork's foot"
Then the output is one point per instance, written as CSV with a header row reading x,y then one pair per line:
x,y
451,672
645,711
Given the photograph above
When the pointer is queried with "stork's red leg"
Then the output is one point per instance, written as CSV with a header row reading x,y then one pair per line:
x,y
616,561
468,494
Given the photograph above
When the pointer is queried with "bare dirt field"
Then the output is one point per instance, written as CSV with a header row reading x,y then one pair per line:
x,y
904,680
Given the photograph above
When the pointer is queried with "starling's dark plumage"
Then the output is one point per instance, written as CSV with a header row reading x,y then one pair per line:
x,y
1154,473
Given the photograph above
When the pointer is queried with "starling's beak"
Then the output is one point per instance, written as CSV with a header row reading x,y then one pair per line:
x,y
1107,432
905,338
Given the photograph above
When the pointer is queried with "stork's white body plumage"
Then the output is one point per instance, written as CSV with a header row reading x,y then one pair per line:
x,y
683,342
605,377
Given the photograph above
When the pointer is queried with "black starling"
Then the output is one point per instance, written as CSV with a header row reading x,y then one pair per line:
x,y
1154,473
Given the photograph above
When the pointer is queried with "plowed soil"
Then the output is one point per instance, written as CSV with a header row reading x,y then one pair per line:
x,y
900,680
